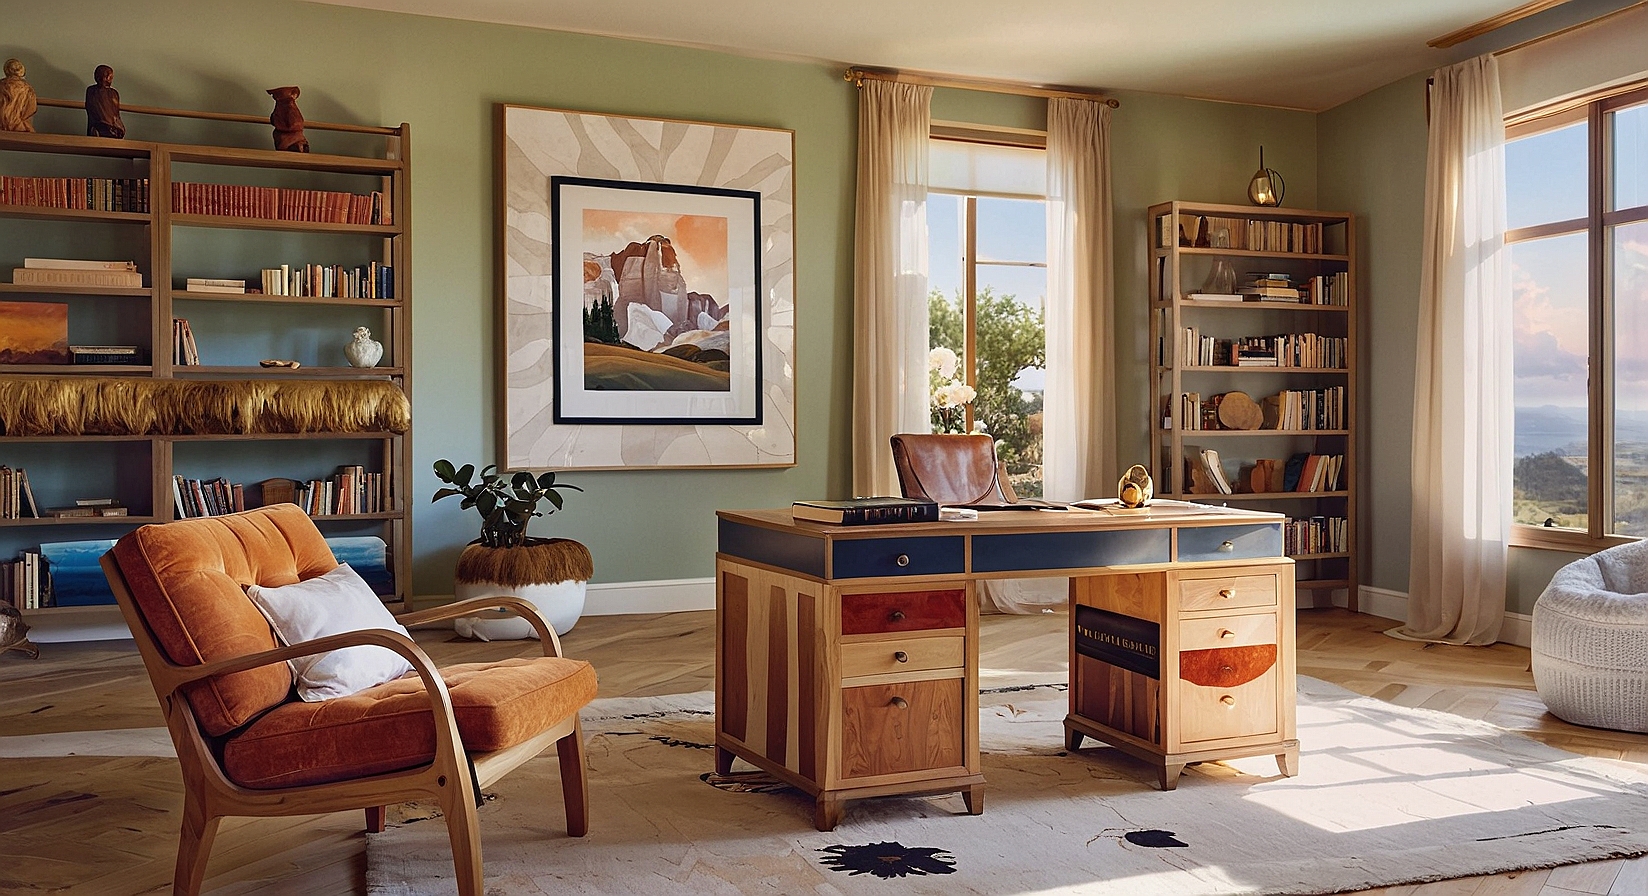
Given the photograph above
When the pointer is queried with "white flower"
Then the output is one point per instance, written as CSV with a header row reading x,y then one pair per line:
x,y
942,360
953,395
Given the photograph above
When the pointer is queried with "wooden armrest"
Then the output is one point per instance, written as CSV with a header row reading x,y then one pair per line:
x,y
516,605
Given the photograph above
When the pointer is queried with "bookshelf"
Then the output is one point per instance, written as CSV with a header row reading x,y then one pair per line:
x,y
234,331
1205,348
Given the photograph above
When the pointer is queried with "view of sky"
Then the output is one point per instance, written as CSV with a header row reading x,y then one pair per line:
x,y
1008,230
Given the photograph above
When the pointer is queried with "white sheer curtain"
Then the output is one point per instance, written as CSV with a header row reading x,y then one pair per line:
x,y
1462,410
889,278
1079,421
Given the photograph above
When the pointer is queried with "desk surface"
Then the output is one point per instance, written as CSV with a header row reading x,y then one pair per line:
x,y
1159,515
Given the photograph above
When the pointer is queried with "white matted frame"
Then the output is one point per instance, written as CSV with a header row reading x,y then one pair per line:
x,y
536,146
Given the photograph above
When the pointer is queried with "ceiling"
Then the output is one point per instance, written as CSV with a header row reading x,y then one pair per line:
x,y
1303,54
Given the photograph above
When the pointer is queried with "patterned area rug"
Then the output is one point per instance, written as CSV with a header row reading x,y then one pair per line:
x,y
1386,795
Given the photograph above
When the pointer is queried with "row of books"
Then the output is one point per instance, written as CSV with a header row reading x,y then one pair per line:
x,y
103,194
106,354
281,203
1301,472
206,497
25,583
77,272
16,495
1283,350
369,281
1242,233
350,490
184,351
1317,535
1305,409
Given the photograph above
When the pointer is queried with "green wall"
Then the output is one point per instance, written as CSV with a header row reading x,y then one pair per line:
x,y
444,76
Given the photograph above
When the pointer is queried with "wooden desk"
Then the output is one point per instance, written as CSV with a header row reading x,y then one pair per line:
x,y
847,656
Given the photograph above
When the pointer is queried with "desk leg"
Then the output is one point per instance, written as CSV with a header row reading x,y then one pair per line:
x,y
1288,762
723,760
1168,775
1072,739
827,814
974,798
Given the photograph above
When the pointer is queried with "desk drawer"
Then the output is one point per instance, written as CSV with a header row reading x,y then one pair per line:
x,y
1214,713
1229,542
1227,631
905,727
903,611
1227,592
885,655
860,558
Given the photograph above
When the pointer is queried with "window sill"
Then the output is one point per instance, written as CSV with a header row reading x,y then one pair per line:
x,y
1572,541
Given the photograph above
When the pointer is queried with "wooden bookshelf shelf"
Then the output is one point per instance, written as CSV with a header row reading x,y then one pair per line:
x,y
185,295
1206,329
18,290
232,223
82,215
214,371
82,369
80,521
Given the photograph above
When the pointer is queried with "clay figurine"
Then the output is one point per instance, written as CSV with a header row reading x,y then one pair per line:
x,y
363,351
288,121
14,632
16,99
103,106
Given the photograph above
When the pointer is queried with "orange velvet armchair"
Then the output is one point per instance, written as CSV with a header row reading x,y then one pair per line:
x,y
249,747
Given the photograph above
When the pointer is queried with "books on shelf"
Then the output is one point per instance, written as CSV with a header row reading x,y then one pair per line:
x,y
103,194
350,490
211,284
1207,474
1316,535
16,495
1250,234
1283,350
26,582
281,204
184,351
76,277
1326,289
1305,472
368,281
77,264
106,354
866,511
1214,297
209,497
1305,409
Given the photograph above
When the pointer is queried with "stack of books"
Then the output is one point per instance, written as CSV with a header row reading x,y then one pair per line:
x,y
209,284
89,507
866,511
1269,288
16,495
25,583
77,272
184,352
106,354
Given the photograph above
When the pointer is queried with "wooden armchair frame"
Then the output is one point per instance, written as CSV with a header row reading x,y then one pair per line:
x,y
209,796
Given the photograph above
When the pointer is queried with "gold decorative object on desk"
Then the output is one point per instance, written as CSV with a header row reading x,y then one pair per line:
x,y
1135,488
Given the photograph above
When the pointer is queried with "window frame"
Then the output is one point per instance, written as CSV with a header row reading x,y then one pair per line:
x,y
1598,225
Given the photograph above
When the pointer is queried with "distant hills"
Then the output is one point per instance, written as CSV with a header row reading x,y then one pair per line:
x,y
1550,428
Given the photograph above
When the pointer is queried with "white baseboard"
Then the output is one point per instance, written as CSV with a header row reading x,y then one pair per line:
x,y
1517,629
661,596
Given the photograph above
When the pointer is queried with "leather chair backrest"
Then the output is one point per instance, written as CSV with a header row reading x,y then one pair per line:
x,y
949,469
187,581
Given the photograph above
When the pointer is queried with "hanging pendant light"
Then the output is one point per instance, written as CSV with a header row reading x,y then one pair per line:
x,y
1266,187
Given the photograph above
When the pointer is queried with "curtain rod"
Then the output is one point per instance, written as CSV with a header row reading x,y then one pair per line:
x,y
1574,27
859,75
1492,23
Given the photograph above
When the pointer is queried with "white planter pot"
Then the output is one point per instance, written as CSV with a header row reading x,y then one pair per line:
x,y
561,603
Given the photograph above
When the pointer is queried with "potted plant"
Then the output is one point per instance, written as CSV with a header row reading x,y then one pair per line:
x,y
551,573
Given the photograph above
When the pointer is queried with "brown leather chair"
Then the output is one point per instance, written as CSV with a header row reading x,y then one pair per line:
x,y
951,469
248,746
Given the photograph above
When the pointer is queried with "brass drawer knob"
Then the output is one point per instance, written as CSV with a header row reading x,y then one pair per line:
x,y
1226,633
1227,593
899,703
903,560
1228,700
900,656
896,616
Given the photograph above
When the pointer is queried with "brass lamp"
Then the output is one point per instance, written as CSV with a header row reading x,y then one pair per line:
x,y
1266,187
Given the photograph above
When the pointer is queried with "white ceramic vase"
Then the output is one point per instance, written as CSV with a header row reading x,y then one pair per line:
x,y
561,603
363,351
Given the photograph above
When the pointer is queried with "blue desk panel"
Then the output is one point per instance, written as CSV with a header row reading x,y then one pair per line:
x,y
785,550
927,556
1246,542
1069,550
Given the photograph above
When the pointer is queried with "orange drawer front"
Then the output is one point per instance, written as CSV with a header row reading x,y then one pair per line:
x,y
902,611
905,727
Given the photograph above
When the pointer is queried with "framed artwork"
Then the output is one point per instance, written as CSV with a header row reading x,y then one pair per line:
x,y
647,293
656,314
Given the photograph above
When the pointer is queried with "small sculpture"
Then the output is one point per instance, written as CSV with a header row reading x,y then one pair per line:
x,y
278,362
1135,489
103,106
14,632
16,99
288,121
364,351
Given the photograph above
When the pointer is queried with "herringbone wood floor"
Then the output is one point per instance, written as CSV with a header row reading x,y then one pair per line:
x,y
98,826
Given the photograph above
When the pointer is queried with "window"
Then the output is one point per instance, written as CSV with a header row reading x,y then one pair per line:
x,y
1577,209
987,264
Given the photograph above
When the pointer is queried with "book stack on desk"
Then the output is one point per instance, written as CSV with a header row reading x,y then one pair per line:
x,y
866,511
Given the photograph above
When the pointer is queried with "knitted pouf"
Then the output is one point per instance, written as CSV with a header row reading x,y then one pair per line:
x,y
1590,646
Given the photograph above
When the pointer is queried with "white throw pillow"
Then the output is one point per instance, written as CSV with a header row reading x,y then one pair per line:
x,y
331,604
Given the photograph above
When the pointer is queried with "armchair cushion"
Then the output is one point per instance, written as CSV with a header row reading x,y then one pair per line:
x,y
186,579
390,727
332,604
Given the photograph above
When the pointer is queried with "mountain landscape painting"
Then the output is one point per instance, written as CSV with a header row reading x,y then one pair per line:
x,y
34,333
655,292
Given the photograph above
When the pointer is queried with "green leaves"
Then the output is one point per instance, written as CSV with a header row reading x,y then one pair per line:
x,y
506,503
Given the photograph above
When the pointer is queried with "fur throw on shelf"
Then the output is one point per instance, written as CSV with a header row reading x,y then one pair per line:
x,y
111,406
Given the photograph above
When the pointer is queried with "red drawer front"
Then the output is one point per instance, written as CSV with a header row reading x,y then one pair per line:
x,y
902,611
